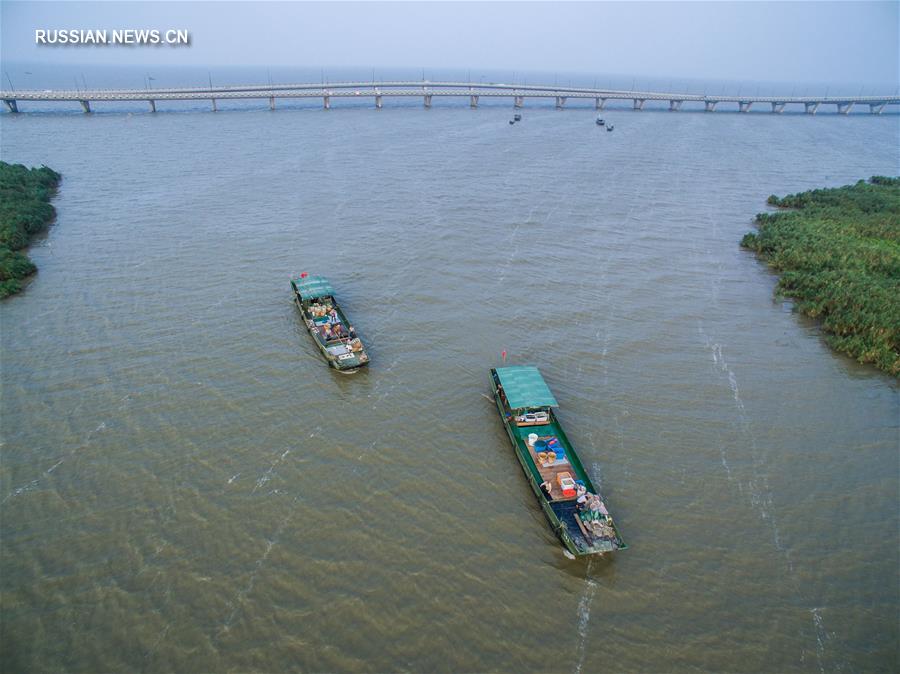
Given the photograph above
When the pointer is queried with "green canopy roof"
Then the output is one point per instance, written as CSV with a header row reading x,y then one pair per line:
x,y
525,387
313,287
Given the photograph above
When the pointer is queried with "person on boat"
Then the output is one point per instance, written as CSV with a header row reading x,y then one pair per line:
x,y
547,489
602,508
588,511
598,509
582,496
337,330
332,315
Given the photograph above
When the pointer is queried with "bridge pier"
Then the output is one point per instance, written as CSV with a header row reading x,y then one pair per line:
x,y
874,108
326,102
777,107
11,104
427,100
599,103
215,108
675,105
379,102
271,102
152,105
711,106
473,101
560,102
844,108
639,103
519,101
86,105
812,107
744,106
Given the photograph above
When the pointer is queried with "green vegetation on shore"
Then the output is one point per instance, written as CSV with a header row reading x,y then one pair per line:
x,y
24,211
838,252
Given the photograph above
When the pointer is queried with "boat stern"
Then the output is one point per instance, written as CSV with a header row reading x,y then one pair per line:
x,y
347,356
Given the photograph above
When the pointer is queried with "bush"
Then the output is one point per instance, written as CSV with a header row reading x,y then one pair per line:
x,y
839,254
24,211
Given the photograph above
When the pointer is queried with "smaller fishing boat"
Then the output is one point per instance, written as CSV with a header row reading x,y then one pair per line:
x,y
570,501
327,324
600,121
610,127
517,117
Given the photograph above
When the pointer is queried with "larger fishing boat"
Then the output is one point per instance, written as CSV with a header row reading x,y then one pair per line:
x,y
326,323
567,496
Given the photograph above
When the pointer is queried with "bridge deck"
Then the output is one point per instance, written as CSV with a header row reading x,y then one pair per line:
x,y
427,90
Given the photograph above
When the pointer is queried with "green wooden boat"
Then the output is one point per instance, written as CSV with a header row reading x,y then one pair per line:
x,y
571,502
327,324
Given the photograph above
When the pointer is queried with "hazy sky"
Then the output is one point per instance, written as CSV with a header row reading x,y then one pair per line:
x,y
843,42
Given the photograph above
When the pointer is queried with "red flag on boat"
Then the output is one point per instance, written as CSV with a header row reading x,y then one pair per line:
x,y
304,274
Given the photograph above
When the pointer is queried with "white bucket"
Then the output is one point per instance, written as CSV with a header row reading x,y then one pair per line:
x,y
532,438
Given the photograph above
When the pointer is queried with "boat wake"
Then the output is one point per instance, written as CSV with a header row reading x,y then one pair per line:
x,y
821,637
759,489
237,602
584,617
265,477
761,496
33,485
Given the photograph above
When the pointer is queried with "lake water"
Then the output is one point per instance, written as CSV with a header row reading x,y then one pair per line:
x,y
186,486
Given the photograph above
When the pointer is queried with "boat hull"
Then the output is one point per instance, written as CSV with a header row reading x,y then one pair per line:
x,y
560,514
346,361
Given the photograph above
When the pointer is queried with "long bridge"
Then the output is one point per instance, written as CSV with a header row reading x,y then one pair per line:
x,y
427,90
